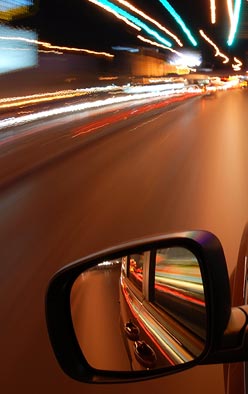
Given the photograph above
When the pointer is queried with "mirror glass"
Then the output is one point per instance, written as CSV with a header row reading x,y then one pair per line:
x,y
142,311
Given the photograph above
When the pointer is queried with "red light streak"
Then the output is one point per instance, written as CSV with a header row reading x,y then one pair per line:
x,y
126,114
178,294
148,333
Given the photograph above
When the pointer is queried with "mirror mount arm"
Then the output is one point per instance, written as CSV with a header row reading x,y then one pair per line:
x,y
234,342
234,334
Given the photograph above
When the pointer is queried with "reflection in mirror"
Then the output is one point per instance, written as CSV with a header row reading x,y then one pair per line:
x,y
142,311
178,291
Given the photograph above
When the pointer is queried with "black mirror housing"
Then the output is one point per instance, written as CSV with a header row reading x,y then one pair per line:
x,y
208,250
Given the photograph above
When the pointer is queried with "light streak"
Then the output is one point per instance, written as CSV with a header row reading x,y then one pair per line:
x,y
17,121
51,51
51,46
181,55
213,11
161,337
147,17
36,99
179,20
124,48
237,66
14,49
170,87
157,44
234,14
180,284
90,52
217,50
108,6
238,61
230,9
13,102
108,78
28,40
116,14
180,294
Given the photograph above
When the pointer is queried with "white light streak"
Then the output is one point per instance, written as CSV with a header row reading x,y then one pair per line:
x,y
184,59
230,9
11,122
169,87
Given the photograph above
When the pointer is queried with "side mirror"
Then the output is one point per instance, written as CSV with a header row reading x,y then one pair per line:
x,y
144,309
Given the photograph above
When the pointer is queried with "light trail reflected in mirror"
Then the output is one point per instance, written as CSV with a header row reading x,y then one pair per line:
x,y
142,311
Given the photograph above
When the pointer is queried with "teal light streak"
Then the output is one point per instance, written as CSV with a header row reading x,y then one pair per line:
x,y
137,22
235,21
179,20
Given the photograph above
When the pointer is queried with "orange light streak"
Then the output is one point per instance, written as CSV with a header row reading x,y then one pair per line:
x,y
238,61
237,66
217,53
35,99
12,102
213,11
158,45
110,10
51,46
51,51
147,17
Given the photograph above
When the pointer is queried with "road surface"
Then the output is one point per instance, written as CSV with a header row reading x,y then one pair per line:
x,y
179,170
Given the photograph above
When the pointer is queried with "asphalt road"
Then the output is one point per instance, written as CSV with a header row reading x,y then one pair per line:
x,y
180,170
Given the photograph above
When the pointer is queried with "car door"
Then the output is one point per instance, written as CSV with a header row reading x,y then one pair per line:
x,y
237,373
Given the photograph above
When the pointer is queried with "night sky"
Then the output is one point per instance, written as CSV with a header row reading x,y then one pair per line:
x,y
83,24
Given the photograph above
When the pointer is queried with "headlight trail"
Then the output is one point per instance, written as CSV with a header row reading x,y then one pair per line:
x,y
13,102
24,119
169,87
